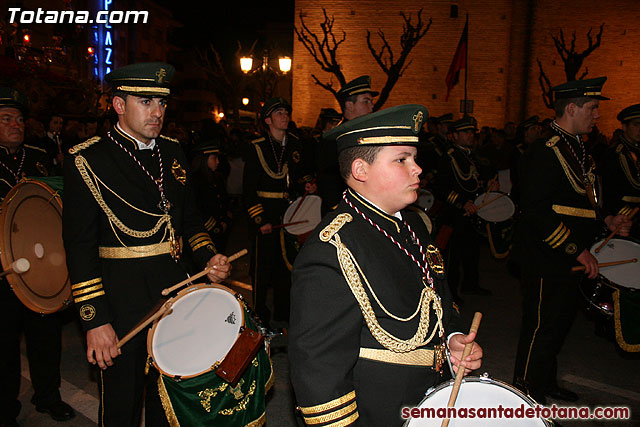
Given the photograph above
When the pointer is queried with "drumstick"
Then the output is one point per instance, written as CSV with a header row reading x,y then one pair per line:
x,y
288,224
606,264
204,272
19,266
614,232
166,308
239,284
475,324
304,196
482,205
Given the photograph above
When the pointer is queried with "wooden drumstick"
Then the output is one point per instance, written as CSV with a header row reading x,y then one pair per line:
x,y
166,308
204,272
19,266
606,264
482,205
288,224
239,284
304,196
614,232
475,324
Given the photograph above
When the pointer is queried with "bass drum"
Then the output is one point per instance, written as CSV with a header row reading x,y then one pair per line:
x,y
477,392
31,228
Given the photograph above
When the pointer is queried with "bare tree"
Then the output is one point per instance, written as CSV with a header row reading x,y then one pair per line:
x,y
410,37
323,48
572,60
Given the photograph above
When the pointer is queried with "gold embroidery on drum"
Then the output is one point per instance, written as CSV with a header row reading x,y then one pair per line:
x,y
242,406
237,390
87,312
208,393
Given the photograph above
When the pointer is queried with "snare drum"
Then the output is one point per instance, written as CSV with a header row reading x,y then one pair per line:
x,y
478,392
425,199
186,346
496,220
31,228
625,275
292,237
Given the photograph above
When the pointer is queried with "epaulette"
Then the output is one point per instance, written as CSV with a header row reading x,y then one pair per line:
x,y
255,141
552,141
328,232
170,139
79,147
36,148
619,148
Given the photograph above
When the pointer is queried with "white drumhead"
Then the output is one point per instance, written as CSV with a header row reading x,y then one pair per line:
x,y
200,331
477,393
627,275
500,210
310,211
425,199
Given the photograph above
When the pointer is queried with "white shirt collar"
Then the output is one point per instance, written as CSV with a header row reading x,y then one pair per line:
x,y
141,145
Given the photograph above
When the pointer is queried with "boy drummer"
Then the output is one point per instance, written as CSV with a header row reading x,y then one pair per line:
x,y
370,308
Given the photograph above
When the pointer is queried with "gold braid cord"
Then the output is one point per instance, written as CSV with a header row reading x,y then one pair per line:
x,y
93,180
351,272
627,171
267,169
461,177
571,176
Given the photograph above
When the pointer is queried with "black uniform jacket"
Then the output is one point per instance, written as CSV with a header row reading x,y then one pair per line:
x,y
621,177
122,291
457,179
328,329
36,163
558,221
267,190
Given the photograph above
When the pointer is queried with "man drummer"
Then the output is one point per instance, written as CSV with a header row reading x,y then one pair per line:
x,y
372,256
129,205
555,231
43,333
620,168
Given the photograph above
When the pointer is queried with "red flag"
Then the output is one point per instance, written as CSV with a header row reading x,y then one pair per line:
x,y
459,61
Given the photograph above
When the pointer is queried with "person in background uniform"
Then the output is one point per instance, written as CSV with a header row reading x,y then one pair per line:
x,y
620,168
458,183
372,255
210,190
273,172
43,333
528,132
437,144
52,142
132,203
356,100
555,231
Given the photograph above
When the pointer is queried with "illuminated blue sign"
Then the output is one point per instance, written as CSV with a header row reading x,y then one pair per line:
x,y
103,39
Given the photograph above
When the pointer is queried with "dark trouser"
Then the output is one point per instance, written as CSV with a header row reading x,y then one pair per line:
x,y
464,255
269,270
121,389
548,311
43,339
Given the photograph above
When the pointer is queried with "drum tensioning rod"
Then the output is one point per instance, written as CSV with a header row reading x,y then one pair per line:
x,y
204,272
475,324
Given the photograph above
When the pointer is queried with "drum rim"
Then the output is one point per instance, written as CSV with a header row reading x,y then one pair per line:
x,y
182,293
601,275
16,286
480,379
292,204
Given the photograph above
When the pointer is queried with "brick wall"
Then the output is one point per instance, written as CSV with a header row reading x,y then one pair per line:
x,y
505,38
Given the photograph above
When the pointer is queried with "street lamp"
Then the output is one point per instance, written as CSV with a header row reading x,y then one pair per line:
x,y
245,101
285,64
246,63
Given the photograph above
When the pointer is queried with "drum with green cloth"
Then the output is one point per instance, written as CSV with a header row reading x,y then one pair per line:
x,y
188,344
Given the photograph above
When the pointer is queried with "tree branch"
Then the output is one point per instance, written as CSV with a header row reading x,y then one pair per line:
x,y
545,85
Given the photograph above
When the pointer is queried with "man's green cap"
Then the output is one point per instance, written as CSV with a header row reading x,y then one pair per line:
x,y
10,97
330,113
392,126
531,121
356,86
272,105
591,88
211,146
629,113
465,123
142,79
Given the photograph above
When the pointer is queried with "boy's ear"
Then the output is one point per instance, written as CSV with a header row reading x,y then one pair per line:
x,y
359,170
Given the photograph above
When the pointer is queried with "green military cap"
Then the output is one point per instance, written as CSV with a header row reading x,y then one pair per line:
x,y
272,105
629,113
10,97
330,113
357,86
210,146
591,88
392,126
531,121
445,118
142,79
465,123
